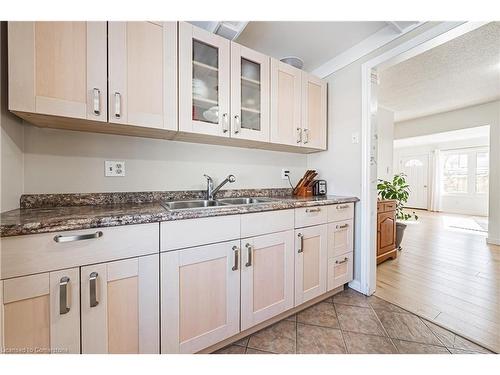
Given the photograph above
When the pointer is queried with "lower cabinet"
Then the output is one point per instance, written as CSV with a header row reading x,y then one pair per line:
x,y
41,313
267,277
200,290
310,262
339,270
120,306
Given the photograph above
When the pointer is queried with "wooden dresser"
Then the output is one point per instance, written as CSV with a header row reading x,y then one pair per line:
x,y
386,230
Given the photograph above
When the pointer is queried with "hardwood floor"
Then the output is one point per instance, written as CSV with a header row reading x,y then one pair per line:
x,y
447,275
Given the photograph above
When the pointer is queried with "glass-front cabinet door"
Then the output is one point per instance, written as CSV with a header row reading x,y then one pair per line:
x,y
249,94
204,82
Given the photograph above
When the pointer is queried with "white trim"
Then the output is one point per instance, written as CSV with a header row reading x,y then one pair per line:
x,y
356,285
429,39
370,44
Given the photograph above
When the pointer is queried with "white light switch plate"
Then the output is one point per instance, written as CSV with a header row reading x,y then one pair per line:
x,y
114,168
355,137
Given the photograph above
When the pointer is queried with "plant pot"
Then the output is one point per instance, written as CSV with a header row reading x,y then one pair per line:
x,y
400,231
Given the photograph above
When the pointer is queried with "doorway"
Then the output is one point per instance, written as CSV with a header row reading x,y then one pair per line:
x,y
416,169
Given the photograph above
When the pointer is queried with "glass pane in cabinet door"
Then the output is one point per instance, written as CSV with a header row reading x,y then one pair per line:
x,y
205,82
250,95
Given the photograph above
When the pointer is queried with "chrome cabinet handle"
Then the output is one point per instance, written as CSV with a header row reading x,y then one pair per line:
x,y
63,295
93,286
236,258
249,255
342,206
237,124
118,102
341,261
313,210
301,243
97,101
225,127
343,226
78,237
299,135
306,136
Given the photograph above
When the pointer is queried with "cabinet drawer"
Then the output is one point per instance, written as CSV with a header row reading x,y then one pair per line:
x,y
391,206
266,222
307,216
340,238
195,232
339,270
339,212
37,253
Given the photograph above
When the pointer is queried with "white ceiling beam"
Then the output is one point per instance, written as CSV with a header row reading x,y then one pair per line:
x,y
373,42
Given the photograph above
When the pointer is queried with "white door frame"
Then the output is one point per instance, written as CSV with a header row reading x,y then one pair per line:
x,y
429,39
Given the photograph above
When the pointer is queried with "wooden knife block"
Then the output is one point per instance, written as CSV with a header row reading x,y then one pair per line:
x,y
306,191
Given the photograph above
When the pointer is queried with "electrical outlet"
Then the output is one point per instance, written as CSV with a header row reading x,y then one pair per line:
x,y
114,168
285,173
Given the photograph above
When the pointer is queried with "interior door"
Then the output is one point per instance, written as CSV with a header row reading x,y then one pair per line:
x,y
313,112
416,169
204,81
249,94
143,74
200,296
41,313
58,68
311,258
286,102
267,276
120,306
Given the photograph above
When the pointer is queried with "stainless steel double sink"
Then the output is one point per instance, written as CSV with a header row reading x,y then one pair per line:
x,y
204,203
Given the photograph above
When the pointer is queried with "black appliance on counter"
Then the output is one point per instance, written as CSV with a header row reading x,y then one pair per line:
x,y
319,187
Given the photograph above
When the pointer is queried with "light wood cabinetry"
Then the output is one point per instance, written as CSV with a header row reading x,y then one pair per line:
x,y
58,68
267,277
120,306
41,313
314,112
310,262
386,230
143,74
200,302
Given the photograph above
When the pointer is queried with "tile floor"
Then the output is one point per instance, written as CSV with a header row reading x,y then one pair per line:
x,y
350,322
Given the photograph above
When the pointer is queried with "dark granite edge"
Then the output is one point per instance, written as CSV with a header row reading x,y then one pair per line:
x,y
108,198
105,220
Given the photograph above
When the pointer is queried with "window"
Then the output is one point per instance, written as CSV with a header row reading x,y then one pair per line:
x,y
414,163
455,173
482,172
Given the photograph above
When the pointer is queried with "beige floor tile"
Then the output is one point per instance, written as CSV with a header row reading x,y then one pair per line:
x,y
319,340
409,347
461,351
255,351
407,327
242,342
380,304
351,297
292,318
231,349
322,314
359,319
278,338
359,343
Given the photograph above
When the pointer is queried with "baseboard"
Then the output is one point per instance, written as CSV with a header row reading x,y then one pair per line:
x,y
493,241
356,285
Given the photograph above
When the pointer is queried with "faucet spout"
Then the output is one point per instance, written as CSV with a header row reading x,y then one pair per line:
x,y
213,191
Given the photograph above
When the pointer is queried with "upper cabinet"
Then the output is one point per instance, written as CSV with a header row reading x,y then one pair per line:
x,y
313,127
204,82
58,68
143,74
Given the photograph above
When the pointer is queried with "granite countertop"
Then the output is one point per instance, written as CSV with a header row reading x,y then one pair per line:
x,y
60,218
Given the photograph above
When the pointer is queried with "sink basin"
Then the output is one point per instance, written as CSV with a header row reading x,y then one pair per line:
x,y
250,200
180,205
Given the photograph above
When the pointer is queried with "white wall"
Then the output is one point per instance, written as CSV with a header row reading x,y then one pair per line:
x,y
385,148
11,139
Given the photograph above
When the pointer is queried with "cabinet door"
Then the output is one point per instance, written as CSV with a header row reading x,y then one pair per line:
x,y
143,74
267,275
340,238
120,306
340,270
204,74
58,68
386,232
285,104
41,313
313,112
310,262
249,94
200,301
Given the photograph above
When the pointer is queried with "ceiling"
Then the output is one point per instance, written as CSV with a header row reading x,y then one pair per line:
x,y
462,72
454,135
314,42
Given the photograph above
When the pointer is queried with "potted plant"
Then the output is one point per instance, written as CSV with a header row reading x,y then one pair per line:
x,y
399,190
